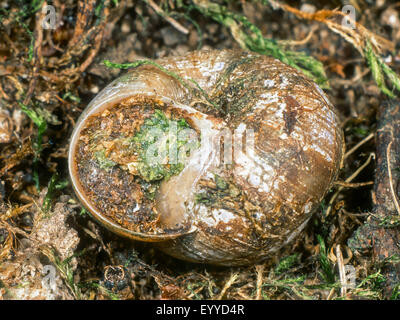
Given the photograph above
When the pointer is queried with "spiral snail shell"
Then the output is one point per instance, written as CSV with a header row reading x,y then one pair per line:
x,y
255,147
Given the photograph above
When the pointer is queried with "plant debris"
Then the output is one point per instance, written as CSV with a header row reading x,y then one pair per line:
x,y
50,247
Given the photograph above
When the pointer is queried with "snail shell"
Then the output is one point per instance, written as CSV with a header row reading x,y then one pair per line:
x,y
269,148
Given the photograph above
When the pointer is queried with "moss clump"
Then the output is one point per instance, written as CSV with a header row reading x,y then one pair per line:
x,y
160,145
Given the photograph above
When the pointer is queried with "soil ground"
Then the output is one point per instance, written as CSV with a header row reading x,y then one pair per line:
x,y
48,76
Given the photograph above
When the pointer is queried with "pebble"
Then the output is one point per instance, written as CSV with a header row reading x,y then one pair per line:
x,y
308,8
390,17
171,36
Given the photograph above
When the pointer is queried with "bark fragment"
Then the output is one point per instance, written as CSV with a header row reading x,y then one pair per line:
x,y
386,238
381,231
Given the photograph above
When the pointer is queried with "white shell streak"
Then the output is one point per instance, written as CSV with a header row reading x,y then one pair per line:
x,y
179,190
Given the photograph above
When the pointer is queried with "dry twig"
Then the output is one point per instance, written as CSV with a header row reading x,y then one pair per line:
x,y
172,21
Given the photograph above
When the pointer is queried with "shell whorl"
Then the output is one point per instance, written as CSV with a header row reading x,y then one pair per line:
x,y
227,213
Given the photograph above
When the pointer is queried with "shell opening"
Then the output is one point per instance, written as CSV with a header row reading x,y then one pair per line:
x,y
138,163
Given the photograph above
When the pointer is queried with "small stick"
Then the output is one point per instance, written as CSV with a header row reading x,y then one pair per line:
x,y
227,285
349,179
301,42
342,271
259,270
365,140
331,293
395,201
172,21
353,185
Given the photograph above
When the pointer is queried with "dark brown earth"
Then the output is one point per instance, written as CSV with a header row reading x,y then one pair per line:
x,y
57,72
